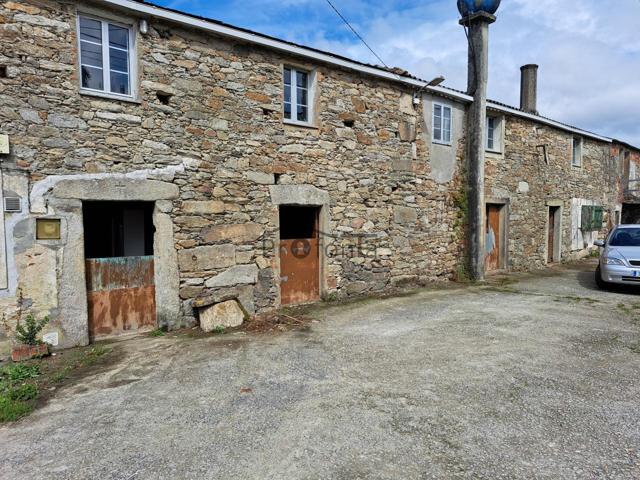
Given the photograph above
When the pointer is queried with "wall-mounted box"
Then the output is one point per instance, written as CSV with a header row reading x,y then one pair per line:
x,y
4,144
47,229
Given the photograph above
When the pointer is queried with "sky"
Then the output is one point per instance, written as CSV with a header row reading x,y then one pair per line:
x,y
589,56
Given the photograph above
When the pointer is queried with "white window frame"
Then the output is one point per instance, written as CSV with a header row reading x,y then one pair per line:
x,y
311,92
576,160
497,134
441,140
106,75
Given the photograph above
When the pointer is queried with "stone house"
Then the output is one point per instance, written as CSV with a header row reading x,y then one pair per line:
x,y
159,163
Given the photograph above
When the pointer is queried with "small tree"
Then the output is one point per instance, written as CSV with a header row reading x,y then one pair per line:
x,y
28,334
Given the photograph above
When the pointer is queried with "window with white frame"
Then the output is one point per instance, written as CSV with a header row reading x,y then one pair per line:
x,y
297,94
494,134
105,56
576,157
441,123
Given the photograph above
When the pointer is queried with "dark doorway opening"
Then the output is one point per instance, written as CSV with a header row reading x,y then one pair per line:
x,y
118,229
630,214
299,254
298,222
553,239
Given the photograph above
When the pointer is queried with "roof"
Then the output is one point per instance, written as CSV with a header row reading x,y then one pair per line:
x,y
391,74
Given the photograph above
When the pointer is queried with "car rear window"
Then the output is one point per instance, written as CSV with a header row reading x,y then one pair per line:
x,y
626,237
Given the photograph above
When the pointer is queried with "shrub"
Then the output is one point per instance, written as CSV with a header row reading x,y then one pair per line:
x,y
28,334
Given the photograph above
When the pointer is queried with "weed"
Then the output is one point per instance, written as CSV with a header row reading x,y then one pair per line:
x,y
19,372
28,334
157,333
12,410
218,329
60,376
23,393
93,355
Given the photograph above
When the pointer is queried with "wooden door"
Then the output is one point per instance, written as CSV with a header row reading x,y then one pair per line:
x,y
493,238
299,271
552,234
121,295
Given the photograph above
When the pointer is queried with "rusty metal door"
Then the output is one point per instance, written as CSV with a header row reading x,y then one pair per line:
x,y
121,295
299,271
493,238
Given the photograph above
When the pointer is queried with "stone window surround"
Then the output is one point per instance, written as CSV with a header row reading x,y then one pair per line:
x,y
312,94
66,199
132,25
308,196
444,106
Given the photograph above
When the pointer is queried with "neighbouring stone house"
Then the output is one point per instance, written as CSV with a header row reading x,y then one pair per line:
x,y
160,163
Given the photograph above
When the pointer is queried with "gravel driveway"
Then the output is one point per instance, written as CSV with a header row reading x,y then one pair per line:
x,y
533,379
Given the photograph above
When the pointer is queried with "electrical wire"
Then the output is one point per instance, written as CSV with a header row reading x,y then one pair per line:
x,y
356,33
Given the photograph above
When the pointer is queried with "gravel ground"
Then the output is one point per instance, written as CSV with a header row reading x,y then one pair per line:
x,y
536,378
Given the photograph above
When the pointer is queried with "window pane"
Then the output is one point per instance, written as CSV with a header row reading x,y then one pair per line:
x,y
92,78
91,54
302,97
90,30
302,113
119,60
437,112
287,76
119,83
287,110
118,37
301,79
446,124
287,93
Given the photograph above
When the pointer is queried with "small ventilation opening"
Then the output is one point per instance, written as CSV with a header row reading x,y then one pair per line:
x,y
164,98
276,177
12,204
3,71
349,123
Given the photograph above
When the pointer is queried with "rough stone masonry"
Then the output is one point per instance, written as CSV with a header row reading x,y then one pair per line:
x,y
204,139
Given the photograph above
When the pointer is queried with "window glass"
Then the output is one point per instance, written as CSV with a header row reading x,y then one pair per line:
x,y
491,127
626,237
104,67
437,122
577,146
446,124
296,95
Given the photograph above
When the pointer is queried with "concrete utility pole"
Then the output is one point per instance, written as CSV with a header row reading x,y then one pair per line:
x,y
478,25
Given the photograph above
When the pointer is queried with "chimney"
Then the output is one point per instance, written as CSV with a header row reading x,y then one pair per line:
x,y
529,88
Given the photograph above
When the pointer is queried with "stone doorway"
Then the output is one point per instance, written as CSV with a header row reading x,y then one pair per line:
x,y
495,237
554,234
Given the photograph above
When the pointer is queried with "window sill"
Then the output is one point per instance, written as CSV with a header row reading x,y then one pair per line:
x,y
576,166
109,96
444,144
292,123
495,153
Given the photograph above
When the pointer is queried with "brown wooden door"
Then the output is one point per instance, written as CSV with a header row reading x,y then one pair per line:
x,y
121,295
299,271
493,236
552,235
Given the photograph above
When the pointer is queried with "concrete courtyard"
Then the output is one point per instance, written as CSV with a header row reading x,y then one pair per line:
x,y
533,379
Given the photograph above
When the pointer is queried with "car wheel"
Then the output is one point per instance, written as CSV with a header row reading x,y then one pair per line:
x,y
601,283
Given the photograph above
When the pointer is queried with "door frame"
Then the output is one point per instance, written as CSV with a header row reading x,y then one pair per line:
x,y
505,207
558,205
66,198
303,196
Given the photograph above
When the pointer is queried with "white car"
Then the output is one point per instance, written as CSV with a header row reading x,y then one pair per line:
x,y
620,257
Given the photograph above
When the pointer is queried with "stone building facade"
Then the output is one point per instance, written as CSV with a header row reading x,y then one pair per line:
x,y
207,173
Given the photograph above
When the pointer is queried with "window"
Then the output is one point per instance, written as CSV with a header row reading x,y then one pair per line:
x,y
576,159
105,56
441,123
297,92
491,133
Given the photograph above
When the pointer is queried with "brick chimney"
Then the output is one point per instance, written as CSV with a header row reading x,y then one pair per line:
x,y
529,88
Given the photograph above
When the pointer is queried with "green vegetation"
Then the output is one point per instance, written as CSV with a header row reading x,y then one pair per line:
x,y
218,329
18,391
157,333
28,334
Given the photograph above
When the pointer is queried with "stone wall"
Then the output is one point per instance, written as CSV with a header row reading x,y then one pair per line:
x,y
530,181
221,140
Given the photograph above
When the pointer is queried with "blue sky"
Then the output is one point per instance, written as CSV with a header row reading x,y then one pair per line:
x,y
589,57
